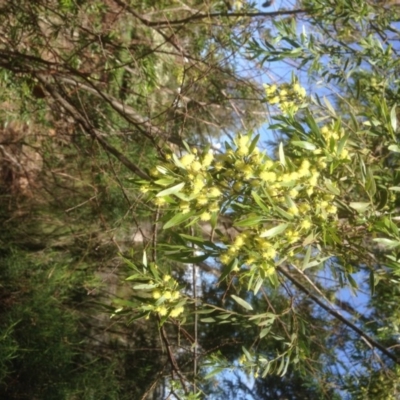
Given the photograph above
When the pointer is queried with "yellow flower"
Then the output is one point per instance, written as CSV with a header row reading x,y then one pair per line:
x,y
156,294
304,207
167,295
263,244
159,201
322,164
286,177
270,89
283,93
239,241
331,209
292,236
305,165
268,176
214,192
270,253
167,278
344,154
184,207
154,172
324,204
314,179
305,224
242,141
238,186
187,159
247,172
225,258
207,160
205,216
239,165
175,295
242,151
176,312
293,193
233,250
274,100
325,131
144,189
202,200
198,184
214,207
250,260
218,166
296,88
195,166
293,210
162,310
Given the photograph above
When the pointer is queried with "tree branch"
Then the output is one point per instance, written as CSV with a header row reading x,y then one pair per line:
x,y
338,316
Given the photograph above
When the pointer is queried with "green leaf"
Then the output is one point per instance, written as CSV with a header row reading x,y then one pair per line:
x,y
259,201
134,277
332,188
192,239
252,221
165,181
352,282
209,311
171,190
209,319
276,230
247,354
304,145
281,154
284,213
307,257
395,148
177,162
144,286
242,302
144,259
253,143
162,170
153,270
393,118
178,219
329,106
228,269
388,243
359,206
265,331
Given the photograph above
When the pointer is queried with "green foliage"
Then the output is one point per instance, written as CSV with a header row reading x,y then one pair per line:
x,y
247,253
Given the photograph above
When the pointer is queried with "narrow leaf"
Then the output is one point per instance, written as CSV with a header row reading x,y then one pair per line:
x,y
177,219
304,145
393,118
281,154
276,230
359,206
171,190
252,221
242,302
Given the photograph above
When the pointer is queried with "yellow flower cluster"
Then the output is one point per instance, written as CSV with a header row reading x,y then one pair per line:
x,y
332,135
167,297
292,192
288,97
297,188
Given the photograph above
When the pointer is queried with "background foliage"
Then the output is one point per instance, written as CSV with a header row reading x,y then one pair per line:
x,y
239,260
